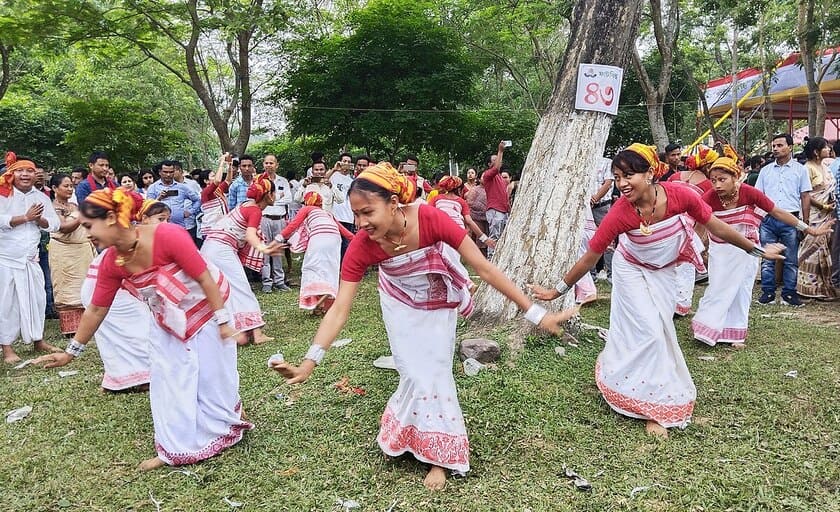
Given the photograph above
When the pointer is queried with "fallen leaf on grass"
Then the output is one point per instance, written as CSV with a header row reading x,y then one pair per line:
x,y
232,504
642,488
342,342
344,386
289,472
347,504
706,358
68,373
185,472
18,414
792,374
560,351
24,364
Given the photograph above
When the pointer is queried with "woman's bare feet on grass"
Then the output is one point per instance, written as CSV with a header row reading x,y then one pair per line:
x,y
436,479
242,339
9,356
43,346
150,464
656,430
738,346
260,337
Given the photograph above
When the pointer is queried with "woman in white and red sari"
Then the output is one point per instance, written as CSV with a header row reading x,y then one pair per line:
x,y
316,232
125,352
234,242
194,384
214,203
421,294
723,313
641,372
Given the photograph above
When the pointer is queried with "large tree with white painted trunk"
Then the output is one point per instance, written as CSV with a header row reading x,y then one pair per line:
x,y
543,234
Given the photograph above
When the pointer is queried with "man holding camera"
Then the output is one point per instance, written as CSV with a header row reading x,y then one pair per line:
x,y
409,168
319,182
183,202
498,202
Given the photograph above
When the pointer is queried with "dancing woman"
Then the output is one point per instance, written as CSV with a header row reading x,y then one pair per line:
x,y
316,232
194,384
234,241
421,295
723,313
641,372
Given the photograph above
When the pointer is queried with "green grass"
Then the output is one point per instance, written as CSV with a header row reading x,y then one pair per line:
x,y
760,441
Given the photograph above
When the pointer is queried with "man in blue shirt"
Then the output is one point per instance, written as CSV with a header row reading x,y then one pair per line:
x,y
237,194
98,165
785,181
183,202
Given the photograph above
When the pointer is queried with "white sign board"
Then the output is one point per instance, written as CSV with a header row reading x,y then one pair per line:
x,y
598,88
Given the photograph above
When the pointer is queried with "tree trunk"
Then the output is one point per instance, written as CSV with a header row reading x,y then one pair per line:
x,y
733,51
5,66
666,32
543,234
767,113
807,49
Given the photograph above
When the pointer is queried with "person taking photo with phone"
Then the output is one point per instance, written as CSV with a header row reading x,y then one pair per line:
x,y
320,182
183,202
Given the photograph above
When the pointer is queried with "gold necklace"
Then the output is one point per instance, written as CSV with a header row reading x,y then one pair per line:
x,y
122,259
644,225
733,199
399,246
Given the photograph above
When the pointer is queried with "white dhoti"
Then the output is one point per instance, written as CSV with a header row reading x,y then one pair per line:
x,y
123,336
421,294
642,372
247,314
23,300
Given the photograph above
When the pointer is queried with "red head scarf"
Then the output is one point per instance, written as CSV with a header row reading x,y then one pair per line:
x,y
125,204
7,180
312,198
384,175
449,183
259,188
705,156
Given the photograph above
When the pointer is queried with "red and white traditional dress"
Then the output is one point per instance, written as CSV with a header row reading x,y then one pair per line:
x,y
724,310
686,271
122,337
316,232
421,294
456,208
214,205
225,247
642,372
194,385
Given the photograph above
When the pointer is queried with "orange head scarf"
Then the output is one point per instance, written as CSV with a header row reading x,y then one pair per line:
x,y
124,203
7,180
384,175
705,156
449,183
144,207
651,157
259,188
312,198
729,165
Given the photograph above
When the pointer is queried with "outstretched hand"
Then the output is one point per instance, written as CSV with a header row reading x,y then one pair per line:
x,y
294,374
824,229
774,251
542,293
54,360
551,321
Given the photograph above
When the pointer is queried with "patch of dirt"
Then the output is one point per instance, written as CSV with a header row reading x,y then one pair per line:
x,y
819,312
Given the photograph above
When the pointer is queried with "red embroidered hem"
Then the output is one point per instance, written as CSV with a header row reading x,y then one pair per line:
x,y
667,415
451,451
218,445
712,336
248,321
125,381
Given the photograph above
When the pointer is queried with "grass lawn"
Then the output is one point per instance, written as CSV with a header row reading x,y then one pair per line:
x,y
759,441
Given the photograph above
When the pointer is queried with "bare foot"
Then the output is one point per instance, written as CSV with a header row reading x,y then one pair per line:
x,y
739,346
150,464
242,415
43,346
436,479
260,337
242,338
9,356
588,299
656,430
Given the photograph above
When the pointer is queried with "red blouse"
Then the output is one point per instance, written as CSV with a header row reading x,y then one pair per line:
x,y
747,196
435,226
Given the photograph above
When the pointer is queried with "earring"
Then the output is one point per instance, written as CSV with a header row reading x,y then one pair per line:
x,y
649,181
111,223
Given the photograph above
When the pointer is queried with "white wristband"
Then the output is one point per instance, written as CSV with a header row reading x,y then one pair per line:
x,y
801,226
562,287
279,239
483,238
74,348
535,314
222,316
757,251
315,353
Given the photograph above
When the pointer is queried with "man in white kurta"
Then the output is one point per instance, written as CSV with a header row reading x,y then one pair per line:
x,y
24,212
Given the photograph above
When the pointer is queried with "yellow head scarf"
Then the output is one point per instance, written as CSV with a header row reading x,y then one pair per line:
x,y
147,203
123,203
384,175
729,165
651,156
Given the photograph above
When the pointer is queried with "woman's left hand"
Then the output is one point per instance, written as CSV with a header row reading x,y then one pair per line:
x,y
54,360
823,229
774,251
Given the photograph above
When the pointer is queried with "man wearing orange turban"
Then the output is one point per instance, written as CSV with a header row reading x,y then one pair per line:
x,y
24,212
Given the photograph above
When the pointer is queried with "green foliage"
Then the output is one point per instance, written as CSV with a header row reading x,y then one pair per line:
x,y
292,154
396,81
34,129
122,128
